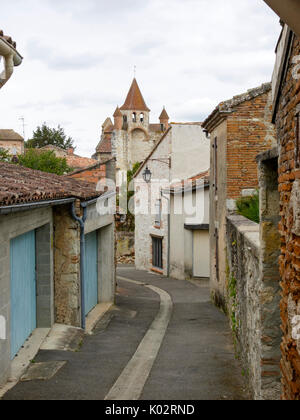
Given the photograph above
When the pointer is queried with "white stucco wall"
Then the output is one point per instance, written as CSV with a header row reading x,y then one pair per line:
x,y
190,151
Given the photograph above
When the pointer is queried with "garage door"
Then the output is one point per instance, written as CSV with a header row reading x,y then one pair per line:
x,y
201,254
91,272
23,290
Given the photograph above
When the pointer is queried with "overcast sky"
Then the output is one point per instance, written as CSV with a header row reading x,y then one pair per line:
x,y
79,57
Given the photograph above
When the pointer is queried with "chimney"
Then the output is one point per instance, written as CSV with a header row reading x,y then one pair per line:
x,y
70,151
118,116
164,120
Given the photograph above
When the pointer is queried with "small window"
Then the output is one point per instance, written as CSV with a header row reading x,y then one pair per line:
x,y
134,117
142,118
162,127
157,251
158,213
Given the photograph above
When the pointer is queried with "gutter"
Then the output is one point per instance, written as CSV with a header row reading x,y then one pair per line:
x,y
169,231
31,206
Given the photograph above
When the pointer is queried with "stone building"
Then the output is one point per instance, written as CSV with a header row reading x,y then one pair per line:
x,y
131,137
181,153
239,129
12,142
57,259
286,116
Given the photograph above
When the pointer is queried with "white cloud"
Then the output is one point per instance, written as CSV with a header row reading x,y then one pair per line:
x,y
79,57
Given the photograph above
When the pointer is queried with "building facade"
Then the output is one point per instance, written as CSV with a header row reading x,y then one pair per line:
x,y
181,153
239,129
57,258
12,142
286,116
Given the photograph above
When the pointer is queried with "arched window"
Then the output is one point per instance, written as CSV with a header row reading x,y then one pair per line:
x,y
134,117
142,118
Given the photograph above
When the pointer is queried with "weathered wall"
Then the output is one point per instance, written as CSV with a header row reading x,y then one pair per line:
x,y
289,187
125,244
12,226
67,268
182,240
253,306
245,132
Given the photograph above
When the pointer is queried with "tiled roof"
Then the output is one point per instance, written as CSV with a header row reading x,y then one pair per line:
x,y
19,185
135,100
117,113
164,115
10,135
193,181
155,127
78,162
104,145
228,107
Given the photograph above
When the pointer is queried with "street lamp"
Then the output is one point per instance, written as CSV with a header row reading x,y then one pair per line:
x,y
147,175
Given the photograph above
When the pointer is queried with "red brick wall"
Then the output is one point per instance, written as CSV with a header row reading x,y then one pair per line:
x,y
290,255
250,132
91,175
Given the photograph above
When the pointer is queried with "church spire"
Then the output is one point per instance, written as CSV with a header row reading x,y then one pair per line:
x,y
135,100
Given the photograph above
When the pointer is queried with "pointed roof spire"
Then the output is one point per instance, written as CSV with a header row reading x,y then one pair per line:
x,y
135,100
164,115
117,113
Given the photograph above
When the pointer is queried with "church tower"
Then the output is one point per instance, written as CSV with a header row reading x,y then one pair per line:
x,y
136,117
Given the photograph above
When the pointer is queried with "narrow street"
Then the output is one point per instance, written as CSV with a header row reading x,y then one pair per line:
x,y
187,354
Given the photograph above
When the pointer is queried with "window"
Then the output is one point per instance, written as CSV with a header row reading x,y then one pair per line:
x,y
142,118
157,249
162,127
134,117
158,213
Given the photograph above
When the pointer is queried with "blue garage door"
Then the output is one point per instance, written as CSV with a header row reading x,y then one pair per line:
x,y
23,290
91,272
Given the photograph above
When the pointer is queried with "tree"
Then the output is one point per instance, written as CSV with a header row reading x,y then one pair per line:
x,y
4,156
44,161
45,136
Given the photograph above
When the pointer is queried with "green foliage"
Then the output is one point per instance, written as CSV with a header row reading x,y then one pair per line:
x,y
129,224
45,136
233,295
249,207
45,162
4,156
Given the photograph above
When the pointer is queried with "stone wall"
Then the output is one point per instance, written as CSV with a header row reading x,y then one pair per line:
x,y
66,267
253,306
125,244
289,187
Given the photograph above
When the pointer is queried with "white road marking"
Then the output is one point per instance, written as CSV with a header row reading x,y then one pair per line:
x,y
130,385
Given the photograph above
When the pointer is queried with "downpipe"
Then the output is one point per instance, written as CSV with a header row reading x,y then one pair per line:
x,y
81,222
169,232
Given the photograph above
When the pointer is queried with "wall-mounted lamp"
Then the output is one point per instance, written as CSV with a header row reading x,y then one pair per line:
x,y
147,175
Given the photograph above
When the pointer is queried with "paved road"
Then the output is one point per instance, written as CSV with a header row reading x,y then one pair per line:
x,y
180,349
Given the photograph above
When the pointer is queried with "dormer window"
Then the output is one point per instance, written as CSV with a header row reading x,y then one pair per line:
x,y
134,117
142,118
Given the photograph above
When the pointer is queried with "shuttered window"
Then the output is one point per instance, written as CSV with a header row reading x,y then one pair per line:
x,y
157,249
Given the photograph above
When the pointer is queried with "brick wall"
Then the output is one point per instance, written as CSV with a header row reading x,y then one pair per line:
x,y
289,188
249,132
91,175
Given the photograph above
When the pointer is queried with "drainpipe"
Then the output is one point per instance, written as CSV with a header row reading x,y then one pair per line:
x,y
81,222
169,232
